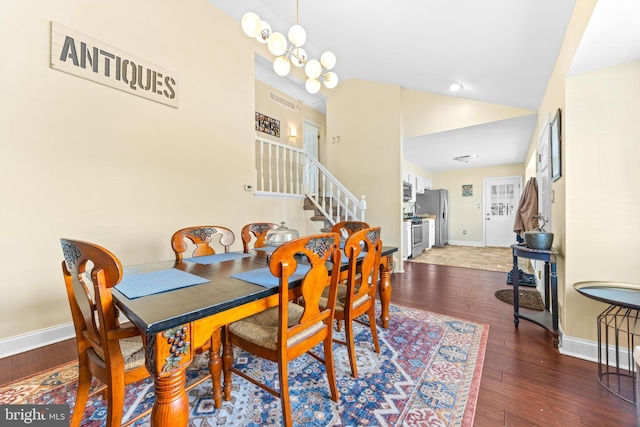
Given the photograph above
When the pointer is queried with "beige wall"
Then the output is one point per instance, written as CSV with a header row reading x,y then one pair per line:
x,y
416,170
553,99
288,118
466,213
82,160
366,117
603,200
427,113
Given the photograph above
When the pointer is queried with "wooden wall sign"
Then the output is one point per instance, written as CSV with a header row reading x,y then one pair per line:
x,y
78,54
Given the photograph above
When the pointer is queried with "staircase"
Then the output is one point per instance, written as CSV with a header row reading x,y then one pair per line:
x,y
321,222
286,170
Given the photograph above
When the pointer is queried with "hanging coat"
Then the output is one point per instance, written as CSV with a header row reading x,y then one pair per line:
x,y
527,208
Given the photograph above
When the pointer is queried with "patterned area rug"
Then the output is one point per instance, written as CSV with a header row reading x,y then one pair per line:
x,y
427,374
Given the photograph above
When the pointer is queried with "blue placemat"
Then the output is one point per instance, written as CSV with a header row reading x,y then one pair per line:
x,y
267,249
213,259
263,277
155,282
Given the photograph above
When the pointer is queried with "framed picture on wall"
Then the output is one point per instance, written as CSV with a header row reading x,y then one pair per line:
x,y
555,137
267,125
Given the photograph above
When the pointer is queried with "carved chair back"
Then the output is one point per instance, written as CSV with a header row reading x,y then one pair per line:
x,y
202,237
259,231
350,226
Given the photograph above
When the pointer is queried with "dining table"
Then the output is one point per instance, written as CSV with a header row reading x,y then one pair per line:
x,y
181,306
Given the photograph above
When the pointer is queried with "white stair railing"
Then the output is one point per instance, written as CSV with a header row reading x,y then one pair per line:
x,y
285,170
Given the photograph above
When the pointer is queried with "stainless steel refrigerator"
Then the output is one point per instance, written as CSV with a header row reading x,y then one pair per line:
x,y
434,202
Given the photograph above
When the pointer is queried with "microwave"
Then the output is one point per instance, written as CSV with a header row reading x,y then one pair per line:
x,y
406,191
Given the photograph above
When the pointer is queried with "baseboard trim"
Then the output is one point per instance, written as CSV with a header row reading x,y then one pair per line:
x,y
464,243
577,347
570,346
32,340
588,350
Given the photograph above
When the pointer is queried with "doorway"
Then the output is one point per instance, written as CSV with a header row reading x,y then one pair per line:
x,y
501,196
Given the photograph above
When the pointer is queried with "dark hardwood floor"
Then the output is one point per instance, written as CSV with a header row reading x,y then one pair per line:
x,y
525,381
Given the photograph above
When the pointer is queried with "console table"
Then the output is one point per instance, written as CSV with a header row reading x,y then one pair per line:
x,y
548,318
618,333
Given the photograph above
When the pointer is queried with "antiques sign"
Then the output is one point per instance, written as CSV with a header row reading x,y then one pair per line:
x,y
83,56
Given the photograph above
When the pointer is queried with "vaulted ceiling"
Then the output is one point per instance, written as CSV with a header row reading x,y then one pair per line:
x,y
501,51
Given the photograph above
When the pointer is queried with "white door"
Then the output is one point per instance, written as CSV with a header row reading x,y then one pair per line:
x,y
501,198
544,190
311,137
544,176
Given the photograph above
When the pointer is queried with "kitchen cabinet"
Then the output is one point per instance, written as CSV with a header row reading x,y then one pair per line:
x,y
425,235
418,183
406,237
426,183
431,233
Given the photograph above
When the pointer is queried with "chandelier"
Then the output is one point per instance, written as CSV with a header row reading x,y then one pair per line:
x,y
287,54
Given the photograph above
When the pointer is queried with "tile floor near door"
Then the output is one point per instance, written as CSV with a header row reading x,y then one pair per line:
x,y
481,258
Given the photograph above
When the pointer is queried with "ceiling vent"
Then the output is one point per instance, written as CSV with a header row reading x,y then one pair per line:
x,y
284,102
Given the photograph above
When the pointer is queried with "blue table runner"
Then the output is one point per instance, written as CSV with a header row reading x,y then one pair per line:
x,y
154,282
263,277
214,259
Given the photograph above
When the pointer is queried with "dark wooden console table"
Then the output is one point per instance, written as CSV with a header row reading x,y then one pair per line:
x,y
548,318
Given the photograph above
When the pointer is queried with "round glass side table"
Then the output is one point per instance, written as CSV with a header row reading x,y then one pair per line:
x,y
618,334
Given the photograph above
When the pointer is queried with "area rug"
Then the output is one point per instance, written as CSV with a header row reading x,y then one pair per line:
x,y
427,373
527,298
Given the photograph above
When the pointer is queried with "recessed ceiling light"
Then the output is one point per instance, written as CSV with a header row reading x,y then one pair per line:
x,y
465,159
455,87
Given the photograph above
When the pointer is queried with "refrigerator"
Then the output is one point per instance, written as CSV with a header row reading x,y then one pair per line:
x,y
434,202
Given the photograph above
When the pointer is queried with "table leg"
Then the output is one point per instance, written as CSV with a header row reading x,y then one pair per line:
x,y
554,296
171,407
215,368
227,364
384,290
168,354
547,281
516,291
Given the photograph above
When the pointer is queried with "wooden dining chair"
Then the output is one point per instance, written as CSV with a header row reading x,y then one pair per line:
x,y
202,236
107,350
114,354
259,231
350,226
282,333
357,295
